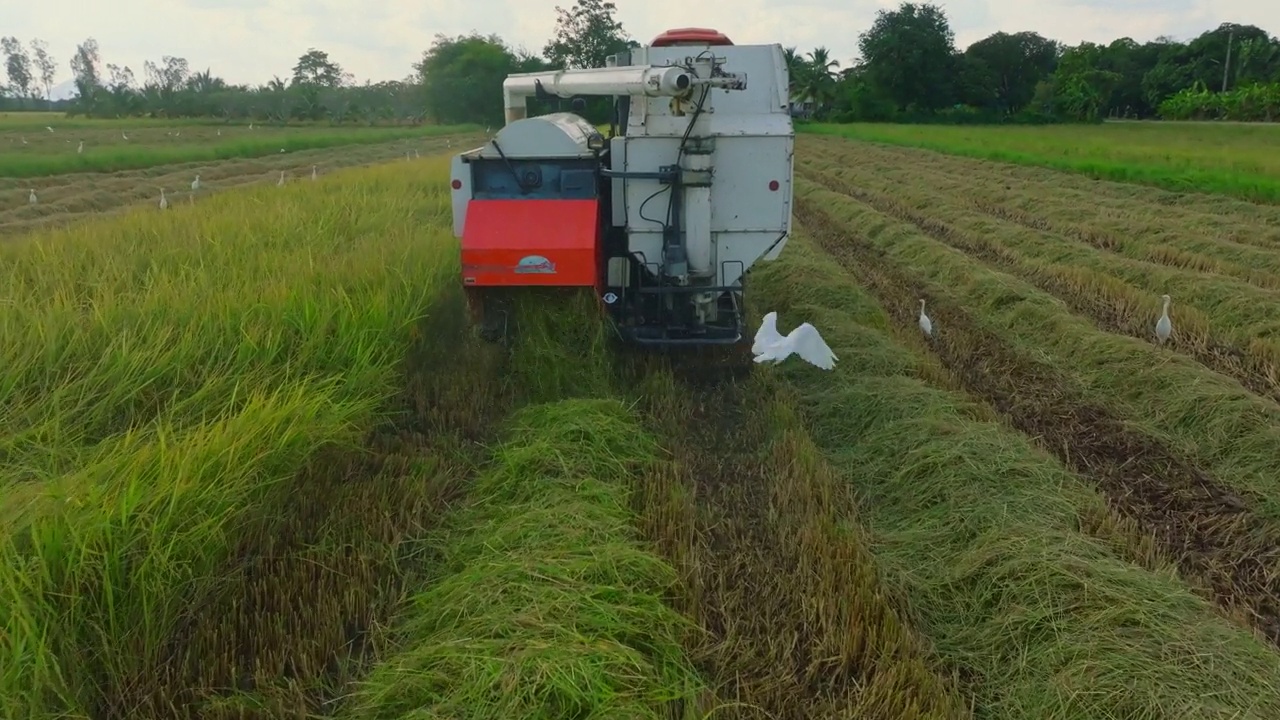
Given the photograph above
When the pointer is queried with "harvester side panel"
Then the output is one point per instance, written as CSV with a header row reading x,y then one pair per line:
x,y
521,242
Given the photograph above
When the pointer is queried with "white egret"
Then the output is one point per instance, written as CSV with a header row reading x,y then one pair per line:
x,y
1164,327
31,199
80,148
804,342
195,184
280,182
926,325
164,201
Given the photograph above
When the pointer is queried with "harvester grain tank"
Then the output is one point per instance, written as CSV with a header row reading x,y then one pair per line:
x,y
662,219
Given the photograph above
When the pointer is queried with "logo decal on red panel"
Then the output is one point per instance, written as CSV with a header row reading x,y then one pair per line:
x,y
535,264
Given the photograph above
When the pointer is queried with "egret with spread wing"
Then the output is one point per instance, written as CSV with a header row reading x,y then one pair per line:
x,y
804,341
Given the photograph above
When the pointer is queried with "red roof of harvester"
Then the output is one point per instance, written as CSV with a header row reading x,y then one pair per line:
x,y
691,36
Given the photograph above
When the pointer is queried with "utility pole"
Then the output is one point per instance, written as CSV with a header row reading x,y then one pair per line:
x,y
1226,66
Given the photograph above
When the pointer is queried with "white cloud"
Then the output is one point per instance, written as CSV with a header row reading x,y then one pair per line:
x,y
252,40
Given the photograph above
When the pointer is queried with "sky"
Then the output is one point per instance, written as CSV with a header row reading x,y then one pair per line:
x,y
249,41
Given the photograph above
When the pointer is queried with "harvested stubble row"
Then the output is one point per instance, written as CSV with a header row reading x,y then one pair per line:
x,y
194,521
1219,534
72,197
1110,205
548,605
796,621
981,531
1221,322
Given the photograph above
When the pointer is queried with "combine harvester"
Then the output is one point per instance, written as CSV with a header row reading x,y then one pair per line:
x,y
663,219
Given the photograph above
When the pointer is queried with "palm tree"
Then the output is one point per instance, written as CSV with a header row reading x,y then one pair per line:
x,y
797,69
816,83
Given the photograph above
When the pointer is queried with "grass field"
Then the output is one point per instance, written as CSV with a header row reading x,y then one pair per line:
x,y
256,464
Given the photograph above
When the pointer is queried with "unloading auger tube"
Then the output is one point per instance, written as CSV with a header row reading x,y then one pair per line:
x,y
549,201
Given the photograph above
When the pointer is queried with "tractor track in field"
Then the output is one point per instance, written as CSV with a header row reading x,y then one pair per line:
x,y
761,646
794,625
1209,531
1224,358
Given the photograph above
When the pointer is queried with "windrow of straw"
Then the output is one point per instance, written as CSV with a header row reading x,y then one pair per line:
x,y
1222,428
777,571
166,377
1232,241
1121,209
1220,322
980,531
549,604
1210,530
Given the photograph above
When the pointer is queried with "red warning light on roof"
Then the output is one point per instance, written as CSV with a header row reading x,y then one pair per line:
x,y
691,36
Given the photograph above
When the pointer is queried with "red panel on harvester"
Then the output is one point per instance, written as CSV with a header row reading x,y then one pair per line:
x,y
531,242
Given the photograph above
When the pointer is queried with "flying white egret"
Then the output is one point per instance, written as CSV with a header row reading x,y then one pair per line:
x,y
1164,327
164,201
926,325
804,342
195,184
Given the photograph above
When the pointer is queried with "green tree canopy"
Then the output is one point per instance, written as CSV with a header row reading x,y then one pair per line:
x,y
1008,66
910,54
586,35
462,77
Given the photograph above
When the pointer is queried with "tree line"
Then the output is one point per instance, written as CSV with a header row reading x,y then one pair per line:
x,y
908,70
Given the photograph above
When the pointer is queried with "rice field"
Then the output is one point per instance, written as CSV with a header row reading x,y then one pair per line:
x,y
171,156
256,464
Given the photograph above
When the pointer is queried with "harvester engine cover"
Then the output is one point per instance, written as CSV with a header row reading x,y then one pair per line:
x,y
662,219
